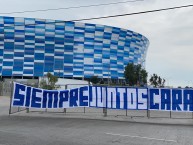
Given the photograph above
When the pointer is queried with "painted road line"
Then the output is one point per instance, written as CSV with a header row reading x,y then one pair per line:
x,y
143,137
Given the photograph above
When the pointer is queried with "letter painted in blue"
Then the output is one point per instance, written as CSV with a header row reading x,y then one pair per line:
x,y
188,100
36,98
111,97
19,95
50,99
74,98
132,98
83,96
153,92
165,99
176,100
121,98
63,101
142,96
28,96
45,99
92,96
55,96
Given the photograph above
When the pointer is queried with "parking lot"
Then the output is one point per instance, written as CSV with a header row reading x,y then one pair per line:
x,y
48,129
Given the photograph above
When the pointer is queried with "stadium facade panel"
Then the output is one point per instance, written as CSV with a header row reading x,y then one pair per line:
x,y
32,47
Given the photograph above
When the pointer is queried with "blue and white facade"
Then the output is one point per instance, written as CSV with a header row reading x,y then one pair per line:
x,y
32,47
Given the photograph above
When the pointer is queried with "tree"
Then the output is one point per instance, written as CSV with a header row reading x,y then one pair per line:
x,y
94,79
50,82
135,74
157,81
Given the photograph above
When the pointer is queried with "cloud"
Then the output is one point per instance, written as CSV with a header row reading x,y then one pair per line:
x,y
170,32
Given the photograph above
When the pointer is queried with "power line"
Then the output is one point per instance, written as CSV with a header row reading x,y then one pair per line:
x,y
136,13
76,7
105,17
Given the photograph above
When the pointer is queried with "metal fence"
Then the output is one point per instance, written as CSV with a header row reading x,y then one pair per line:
x,y
91,111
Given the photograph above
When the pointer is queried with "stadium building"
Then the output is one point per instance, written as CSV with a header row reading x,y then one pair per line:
x,y
29,48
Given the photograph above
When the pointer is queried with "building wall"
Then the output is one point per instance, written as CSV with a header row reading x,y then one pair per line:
x,y
33,47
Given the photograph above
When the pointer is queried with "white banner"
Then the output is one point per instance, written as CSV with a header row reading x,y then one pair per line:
x,y
107,97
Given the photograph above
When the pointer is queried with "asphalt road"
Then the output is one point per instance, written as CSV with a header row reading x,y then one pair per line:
x,y
21,130
43,130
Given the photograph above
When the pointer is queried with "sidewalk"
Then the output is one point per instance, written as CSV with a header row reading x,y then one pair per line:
x,y
144,120
93,113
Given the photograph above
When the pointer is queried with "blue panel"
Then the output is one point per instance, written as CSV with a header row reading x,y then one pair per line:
x,y
8,20
38,69
7,72
68,69
68,58
29,51
7,63
49,48
39,56
49,38
29,37
39,48
69,39
59,40
18,54
19,47
58,27
19,39
68,48
78,73
9,35
8,56
37,40
27,71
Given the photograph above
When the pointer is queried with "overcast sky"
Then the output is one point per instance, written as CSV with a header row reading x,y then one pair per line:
x,y
170,32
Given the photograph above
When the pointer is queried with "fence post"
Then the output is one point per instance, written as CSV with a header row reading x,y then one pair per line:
x,y
1,88
105,108
84,110
11,98
66,87
192,115
148,111
170,114
64,111
105,112
27,110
